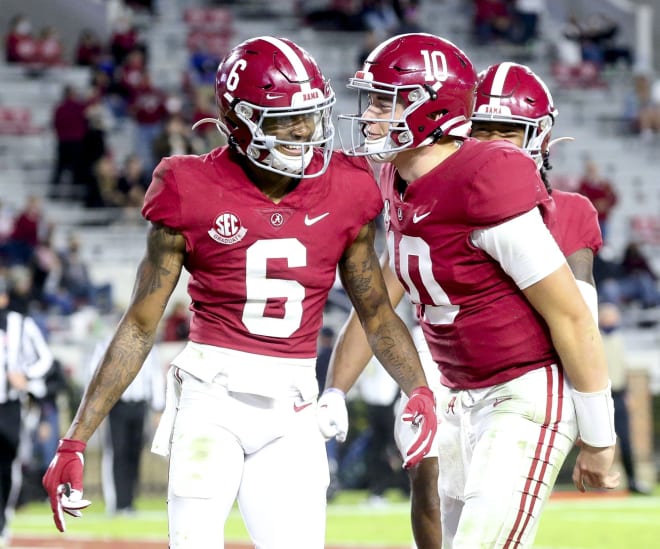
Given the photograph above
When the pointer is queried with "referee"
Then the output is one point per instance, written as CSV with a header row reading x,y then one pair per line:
x,y
124,438
24,360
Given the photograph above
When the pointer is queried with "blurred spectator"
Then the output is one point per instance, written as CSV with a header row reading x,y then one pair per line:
x,y
124,39
19,280
77,282
596,37
26,359
408,18
131,75
88,49
600,192
6,227
95,148
106,184
342,15
70,123
177,323
125,436
20,45
133,181
29,225
641,109
176,138
148,109
383,464
379,17
49,47
491,21
104,90
47,434
202,66
325,344
609,320
638,281
527,15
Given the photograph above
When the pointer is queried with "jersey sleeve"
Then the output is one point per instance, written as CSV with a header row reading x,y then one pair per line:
x,y
506,184
162,201
586,229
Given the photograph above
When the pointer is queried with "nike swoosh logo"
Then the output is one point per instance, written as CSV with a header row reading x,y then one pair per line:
x,y
274,95
299,408
499,401
311,220
418,218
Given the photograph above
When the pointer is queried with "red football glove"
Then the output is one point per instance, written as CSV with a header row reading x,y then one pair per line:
x,y
416,439
64,481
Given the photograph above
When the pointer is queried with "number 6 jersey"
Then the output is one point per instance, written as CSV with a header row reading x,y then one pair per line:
x,y
260,272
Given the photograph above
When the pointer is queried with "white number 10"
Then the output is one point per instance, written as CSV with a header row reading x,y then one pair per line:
x,y
435,65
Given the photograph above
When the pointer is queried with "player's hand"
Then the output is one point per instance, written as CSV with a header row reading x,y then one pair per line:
x,y
332,414
592,468
415,437
64,481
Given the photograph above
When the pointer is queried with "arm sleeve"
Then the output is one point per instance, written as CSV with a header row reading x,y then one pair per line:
x,y
523,246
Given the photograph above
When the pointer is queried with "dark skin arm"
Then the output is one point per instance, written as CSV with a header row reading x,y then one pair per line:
x,y
134,337
582,264
387,334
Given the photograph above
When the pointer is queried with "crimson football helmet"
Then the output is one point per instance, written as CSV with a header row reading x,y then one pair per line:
x,y
267,81
512,93
431,78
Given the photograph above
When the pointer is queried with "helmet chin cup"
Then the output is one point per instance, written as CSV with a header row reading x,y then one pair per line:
x,y
380,150
290,164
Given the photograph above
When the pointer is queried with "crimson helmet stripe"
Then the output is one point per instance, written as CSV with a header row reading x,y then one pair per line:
x,y
302,75
497,88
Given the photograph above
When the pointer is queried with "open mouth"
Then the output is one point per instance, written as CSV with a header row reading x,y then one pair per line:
x,y
292,150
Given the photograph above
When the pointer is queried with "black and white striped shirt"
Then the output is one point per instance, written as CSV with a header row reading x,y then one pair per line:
x,y
23,349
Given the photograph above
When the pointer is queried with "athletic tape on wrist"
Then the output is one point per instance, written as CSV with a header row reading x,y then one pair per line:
x,y
335,390
590,297
595,417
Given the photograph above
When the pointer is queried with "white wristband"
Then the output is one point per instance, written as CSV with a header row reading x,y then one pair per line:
x,y
595,417
590,297
335,390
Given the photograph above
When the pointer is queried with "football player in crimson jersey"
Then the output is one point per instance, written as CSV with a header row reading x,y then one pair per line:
x,y
515,105
250,223
521,364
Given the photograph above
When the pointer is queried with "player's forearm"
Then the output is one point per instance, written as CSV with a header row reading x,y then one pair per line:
x,y
581,353
393,346
119,366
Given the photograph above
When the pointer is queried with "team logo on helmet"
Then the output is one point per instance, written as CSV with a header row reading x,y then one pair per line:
x,y
227,229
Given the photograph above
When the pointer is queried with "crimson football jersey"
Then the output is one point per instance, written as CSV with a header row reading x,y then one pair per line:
x,y
480,328
260,272
574,223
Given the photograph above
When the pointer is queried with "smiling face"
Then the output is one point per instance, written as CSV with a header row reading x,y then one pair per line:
x,y
291,129
491,131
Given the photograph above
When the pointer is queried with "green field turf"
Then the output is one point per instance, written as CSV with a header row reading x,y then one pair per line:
x,y
574,523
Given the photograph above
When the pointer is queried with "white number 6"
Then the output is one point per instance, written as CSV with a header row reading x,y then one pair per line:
x,y
233,78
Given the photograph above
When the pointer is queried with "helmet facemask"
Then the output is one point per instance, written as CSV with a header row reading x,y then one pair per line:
x,y
262,149
398,136
536,131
